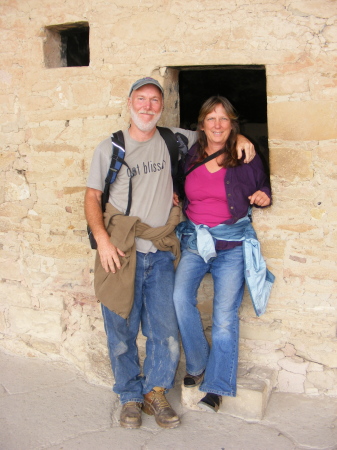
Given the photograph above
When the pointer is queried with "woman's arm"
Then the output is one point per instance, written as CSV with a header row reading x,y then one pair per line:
x,y
262,196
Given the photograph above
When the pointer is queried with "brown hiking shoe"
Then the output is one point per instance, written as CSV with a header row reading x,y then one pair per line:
x,y
155,404
131,415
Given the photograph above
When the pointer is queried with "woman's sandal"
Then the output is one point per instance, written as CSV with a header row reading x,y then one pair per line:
x,y
193,380
211,402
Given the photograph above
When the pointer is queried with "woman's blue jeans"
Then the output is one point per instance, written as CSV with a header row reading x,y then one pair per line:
x,y
220,361
153,309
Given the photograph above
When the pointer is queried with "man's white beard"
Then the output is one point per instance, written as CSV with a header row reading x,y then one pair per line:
x,y
144,126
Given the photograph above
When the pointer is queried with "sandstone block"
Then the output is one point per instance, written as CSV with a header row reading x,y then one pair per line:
x,y
7,103
52,301
297,227
287,84
3,326
289,350
273,248
11,139
139,26
323,380
259,331
315,8
15,294
11,270
54,148
205,307
291,164
6,160
41,176
314,367
37,102
330,33
42,345
85,93
326,151
317,213
291,382
16,188
68,190
40,134
314,121
43,325
294,365
99,128
316,271
310,389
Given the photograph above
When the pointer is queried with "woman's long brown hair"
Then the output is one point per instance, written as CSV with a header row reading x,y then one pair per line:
x,y
230,156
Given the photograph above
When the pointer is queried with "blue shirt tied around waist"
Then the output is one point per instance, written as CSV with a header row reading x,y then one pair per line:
x,y
258,278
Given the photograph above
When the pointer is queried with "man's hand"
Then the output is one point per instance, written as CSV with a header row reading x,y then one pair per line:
x,y
109,254
259,198
243,143
175,199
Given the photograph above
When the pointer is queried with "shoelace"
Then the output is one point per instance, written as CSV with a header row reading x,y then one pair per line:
x,y
132,404
161,399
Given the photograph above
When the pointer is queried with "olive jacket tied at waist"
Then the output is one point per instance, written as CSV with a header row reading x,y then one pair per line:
x,y
116,290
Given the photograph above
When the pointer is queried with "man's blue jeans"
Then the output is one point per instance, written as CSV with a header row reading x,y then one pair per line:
x,y
152,308
221,360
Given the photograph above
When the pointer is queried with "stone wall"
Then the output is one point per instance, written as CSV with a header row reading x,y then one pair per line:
x,y
51,120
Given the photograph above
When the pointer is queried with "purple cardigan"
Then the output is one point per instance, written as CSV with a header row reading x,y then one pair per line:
x,y
240,182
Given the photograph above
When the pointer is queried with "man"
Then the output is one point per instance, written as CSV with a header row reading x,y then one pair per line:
x,y
152,306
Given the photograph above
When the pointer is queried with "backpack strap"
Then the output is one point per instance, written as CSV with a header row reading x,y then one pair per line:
x,y
173,147
117,160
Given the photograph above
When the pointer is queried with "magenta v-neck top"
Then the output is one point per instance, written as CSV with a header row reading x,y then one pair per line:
x,y
207,197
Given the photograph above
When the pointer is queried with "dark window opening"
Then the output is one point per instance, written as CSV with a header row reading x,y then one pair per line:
x,y
75,45
245,88
67,45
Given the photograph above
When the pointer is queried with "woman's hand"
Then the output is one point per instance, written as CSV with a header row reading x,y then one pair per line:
x,y
259,198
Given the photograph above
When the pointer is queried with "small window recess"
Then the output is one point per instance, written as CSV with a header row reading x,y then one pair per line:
x,y
67,45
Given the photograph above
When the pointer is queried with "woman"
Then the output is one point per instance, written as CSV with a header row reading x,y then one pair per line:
x,y
217,237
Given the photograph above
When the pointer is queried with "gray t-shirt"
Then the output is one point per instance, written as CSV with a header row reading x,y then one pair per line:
x,y
152,189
